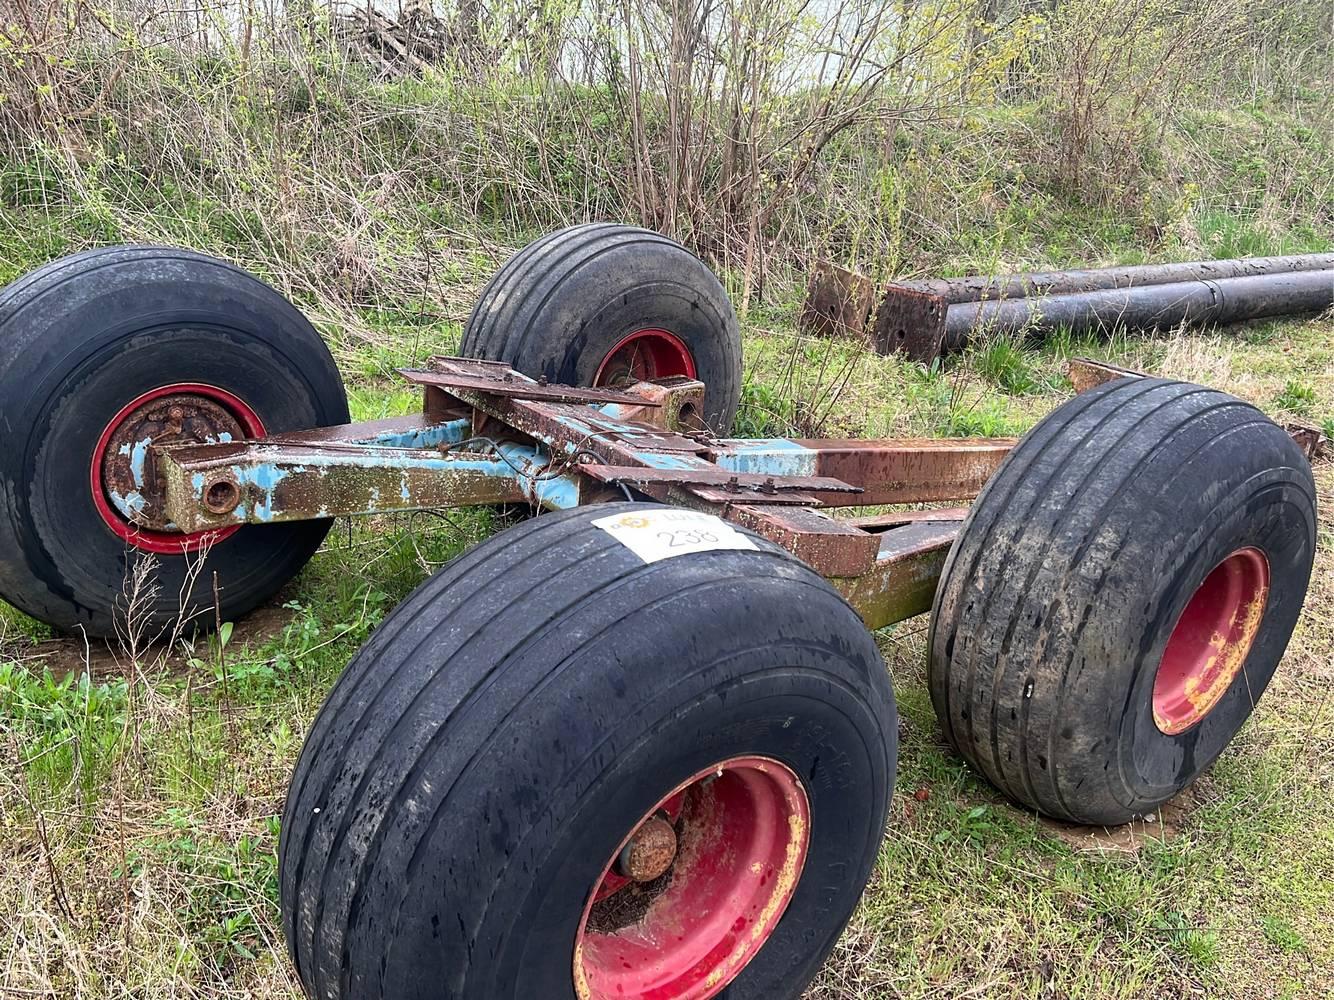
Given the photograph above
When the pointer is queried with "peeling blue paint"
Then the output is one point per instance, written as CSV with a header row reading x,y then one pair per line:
x,y
139,461
259,479
555,493
770,457
128,504
433,436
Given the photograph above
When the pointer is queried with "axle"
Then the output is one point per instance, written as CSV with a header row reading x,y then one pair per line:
x,y
488,435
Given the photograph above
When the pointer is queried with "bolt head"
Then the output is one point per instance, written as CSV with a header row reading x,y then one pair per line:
x,y
650,852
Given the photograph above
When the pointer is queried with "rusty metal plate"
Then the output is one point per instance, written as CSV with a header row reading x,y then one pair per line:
x,y
1311,440
516,387
1088,374
749,495
910,322
571,429
909,470
897,519
838,302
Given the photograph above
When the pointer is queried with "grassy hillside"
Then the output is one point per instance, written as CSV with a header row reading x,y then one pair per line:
x,y
139,816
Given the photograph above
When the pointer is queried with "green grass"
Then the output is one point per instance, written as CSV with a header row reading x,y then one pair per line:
x,y
1008,364
1296,397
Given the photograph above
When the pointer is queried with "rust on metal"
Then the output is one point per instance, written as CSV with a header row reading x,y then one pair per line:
x,y
902,582
838,302
573,429
1086,374
649,852
675,403
130,467
909,470
1311,440
560,453
897,519
221,494
910,322
261,483
736,483
719,496
829,546
497,379
888,471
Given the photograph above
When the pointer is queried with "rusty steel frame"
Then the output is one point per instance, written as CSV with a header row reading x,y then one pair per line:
x,y
488,435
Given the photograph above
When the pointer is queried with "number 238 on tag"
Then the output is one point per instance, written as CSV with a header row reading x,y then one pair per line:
x,y
655,534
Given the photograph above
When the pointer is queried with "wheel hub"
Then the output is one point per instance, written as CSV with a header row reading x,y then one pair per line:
x,y
129,467
128,490
643,356
650,852
683,907
1210,642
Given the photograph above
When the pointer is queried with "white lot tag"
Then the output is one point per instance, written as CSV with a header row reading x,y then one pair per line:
x,y
660,534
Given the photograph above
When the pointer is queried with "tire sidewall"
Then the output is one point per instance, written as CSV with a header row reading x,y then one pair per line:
x,y
1157,764
561,306
668,305
1063,589
773,714
88,340
458,804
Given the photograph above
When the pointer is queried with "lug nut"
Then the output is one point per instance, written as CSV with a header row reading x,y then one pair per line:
x,y
650,851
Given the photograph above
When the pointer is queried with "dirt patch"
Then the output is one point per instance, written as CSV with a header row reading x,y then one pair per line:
x,y
107,659
1162,825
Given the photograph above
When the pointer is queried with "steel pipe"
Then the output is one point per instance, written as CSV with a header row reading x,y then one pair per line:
x,y
980,288
1226,300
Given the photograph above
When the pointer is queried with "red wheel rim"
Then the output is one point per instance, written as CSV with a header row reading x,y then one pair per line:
x,y
1210,641
743,831
643,356
209,414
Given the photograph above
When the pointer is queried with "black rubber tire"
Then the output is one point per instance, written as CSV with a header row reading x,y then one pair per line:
x,y
481,756
1070,573
83,336
560,305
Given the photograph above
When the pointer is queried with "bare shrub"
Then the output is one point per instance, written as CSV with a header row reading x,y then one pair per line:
x,y
1114,72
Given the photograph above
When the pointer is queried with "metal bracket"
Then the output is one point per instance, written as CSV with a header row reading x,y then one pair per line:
x,y
496,379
